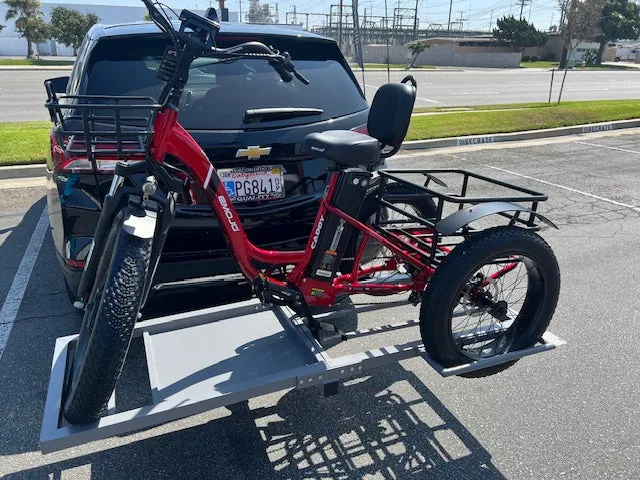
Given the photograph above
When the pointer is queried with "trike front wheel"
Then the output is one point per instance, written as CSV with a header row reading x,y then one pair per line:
x,y
494,293
108,324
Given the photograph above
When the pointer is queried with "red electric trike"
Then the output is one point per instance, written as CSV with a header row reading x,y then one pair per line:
x,y
483,291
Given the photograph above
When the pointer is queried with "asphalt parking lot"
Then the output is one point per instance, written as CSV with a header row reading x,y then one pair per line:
x,y
570,413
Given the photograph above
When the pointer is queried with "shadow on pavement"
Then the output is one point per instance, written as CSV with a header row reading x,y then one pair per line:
x,y
396,429
387,425
13,247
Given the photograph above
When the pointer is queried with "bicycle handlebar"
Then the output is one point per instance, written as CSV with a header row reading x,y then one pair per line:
x,y
196,38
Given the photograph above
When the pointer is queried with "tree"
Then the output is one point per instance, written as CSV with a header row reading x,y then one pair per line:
x,y
518,33
583,23
146,17
620,20
69,26
416,48
29,21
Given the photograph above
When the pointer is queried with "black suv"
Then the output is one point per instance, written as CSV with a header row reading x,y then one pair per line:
x,y
228,107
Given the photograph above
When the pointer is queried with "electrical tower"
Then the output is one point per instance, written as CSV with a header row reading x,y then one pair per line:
x,y
261,13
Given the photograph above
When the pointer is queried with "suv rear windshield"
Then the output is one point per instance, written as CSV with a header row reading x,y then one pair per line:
x,y
219,93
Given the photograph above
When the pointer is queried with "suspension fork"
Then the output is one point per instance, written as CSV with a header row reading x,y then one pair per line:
x,y
118,198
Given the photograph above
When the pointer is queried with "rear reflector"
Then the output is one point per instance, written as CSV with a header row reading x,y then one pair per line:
x,y
361,129
65,162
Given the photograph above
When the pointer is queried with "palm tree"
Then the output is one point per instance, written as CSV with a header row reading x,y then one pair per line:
x,y
29,21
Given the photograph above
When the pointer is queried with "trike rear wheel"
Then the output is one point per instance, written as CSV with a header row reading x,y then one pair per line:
x,y
494,293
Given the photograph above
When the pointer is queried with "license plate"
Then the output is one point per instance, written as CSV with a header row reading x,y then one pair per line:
x,y
249,184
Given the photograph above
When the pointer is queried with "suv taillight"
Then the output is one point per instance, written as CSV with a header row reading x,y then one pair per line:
x,y
361,129
69,163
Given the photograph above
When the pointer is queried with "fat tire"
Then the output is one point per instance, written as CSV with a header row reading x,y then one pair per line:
x,y
122,274
442,293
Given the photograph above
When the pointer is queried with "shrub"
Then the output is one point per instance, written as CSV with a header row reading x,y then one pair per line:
x,y
590,56
525,58
534,58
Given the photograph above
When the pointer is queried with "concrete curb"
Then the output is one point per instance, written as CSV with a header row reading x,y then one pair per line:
x,y
516,136
30,171
23,171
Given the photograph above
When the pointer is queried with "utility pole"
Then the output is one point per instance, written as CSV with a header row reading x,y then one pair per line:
x,y
415,23
340,26
491,21
529,16
307,21
522,4
461,20
450,8
239,11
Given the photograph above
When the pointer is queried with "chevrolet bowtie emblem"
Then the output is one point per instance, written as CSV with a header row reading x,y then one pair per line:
x,y
253,153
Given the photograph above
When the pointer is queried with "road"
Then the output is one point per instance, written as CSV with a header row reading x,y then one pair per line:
x,y
22,93
571,413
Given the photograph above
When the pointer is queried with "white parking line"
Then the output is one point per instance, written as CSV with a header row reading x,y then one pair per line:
x,y
13,301
610,148
427,100
475,93
587,90
557,185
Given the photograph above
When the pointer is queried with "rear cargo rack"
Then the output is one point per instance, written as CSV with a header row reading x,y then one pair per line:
x,y
119,127
456,207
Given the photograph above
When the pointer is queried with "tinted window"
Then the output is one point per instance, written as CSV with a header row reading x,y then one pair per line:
x,y
218,93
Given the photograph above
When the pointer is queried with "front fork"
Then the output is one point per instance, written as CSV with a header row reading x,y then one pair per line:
x,y
156,212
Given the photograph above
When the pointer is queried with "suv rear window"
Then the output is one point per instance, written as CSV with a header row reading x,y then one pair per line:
x,y
218,93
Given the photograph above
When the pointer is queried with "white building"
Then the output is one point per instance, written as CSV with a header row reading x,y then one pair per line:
x,y
12,45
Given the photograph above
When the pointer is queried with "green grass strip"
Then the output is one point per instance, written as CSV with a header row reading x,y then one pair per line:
x,y
24,142
27,142
479,122
33,61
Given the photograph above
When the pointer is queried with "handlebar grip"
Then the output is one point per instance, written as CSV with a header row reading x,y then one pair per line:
x,y
300,77
284,74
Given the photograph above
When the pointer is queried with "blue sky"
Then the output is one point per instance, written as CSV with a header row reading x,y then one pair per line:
x,y
476,13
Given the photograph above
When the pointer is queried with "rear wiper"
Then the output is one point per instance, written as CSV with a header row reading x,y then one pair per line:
x,y
258,115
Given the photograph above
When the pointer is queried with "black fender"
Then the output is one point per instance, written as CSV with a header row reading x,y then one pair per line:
x,y
461,218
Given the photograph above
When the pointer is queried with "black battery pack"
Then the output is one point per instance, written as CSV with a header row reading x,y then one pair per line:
x,y
335,233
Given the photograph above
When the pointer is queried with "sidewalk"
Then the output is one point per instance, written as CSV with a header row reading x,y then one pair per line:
x,y
622,64
36,67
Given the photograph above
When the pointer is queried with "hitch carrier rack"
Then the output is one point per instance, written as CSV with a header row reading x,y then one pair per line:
x,y
218,356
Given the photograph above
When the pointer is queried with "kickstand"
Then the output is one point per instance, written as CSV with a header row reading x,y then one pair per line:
x,y
317,326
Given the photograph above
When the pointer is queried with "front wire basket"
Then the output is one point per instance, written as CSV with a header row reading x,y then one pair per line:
x,y
107,127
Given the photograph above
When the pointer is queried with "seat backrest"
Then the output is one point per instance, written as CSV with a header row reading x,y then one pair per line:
x,y
390,112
